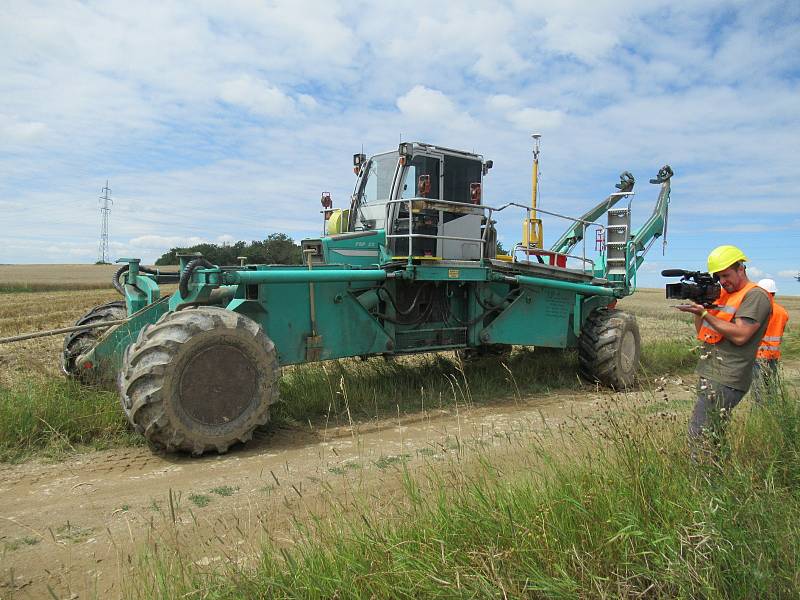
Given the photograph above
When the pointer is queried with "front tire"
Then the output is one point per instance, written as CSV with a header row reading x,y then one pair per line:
x,y
79,342
199,379
609,348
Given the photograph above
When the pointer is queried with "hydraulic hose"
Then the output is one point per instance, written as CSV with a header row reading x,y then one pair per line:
x,y
183,284
411,306
117,277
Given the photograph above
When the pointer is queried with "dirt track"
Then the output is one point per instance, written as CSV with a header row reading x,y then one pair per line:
x,y
79,527
93,512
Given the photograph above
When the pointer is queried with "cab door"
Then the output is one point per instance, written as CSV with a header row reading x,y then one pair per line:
x,y
421,177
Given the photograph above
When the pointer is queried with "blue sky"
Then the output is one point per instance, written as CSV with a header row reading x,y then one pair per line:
x,y
225,121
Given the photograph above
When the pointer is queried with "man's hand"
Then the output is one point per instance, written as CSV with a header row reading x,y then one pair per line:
x,y
737,332
691,307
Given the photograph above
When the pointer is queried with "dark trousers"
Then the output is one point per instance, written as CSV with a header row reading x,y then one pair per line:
x,y
710,416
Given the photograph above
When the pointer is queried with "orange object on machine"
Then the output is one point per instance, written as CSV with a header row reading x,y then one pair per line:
x,y
424,186
554,259
475,193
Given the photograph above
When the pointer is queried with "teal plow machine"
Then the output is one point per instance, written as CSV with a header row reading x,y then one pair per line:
x,y
411,266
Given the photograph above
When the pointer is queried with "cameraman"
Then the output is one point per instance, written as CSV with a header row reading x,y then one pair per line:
x,y
730,333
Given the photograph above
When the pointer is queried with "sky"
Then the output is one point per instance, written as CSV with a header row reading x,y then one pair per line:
x,y
225,121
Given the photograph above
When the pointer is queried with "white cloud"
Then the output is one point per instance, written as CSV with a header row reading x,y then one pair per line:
x,y
432,106
536,119
14,130
585,41
257,96
524,118
789,273
161,241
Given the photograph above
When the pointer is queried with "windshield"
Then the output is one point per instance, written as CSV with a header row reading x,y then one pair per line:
x,y
375,190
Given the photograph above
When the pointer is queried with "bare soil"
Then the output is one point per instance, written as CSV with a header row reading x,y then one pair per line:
x,y
78,527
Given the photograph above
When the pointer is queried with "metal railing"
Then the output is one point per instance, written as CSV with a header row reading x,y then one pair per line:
x,y
481,241
488,212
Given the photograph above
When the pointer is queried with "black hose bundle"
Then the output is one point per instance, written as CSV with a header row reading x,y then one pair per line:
x,y
183,284
116,280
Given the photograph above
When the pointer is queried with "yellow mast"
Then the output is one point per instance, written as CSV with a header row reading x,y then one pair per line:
x,y
532,234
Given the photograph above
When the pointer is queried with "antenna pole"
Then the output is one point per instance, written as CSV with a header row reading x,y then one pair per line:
x,y
532,235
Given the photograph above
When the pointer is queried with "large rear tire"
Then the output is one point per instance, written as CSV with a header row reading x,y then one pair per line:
x,y
199,379
609,348
78,342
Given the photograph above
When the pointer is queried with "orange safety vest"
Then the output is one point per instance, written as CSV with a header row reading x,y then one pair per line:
x,y
770,348
726,310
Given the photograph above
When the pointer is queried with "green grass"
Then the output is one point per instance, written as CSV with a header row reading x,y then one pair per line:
x,y
200,500
625,514
377,388
54,417
15,544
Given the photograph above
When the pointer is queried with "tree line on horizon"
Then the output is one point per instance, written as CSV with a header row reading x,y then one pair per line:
x,y
276,249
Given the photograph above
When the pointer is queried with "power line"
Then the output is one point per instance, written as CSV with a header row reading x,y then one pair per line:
x,y
103,254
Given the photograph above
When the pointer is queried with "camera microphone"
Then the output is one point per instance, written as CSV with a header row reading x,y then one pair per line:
x,y
673,273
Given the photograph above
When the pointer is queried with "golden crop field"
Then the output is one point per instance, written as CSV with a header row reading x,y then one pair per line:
x,y
50,277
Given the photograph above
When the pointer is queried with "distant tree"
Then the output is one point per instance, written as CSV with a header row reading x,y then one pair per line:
x,y
278,248
500,249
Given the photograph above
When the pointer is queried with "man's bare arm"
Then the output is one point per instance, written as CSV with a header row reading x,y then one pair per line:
x,y
737,332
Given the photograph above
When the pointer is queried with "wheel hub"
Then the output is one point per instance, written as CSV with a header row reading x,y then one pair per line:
x,y
217,384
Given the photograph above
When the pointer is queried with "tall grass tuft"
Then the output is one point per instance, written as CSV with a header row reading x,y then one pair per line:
x,y
376,387
52,416
625,513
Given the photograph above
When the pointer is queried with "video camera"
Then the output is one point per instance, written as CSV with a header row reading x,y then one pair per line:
x,y
696,286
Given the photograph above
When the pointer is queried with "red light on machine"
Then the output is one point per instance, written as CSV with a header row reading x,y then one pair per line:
x,y
358,162
424,186
327,204
475,193
599,240
88,365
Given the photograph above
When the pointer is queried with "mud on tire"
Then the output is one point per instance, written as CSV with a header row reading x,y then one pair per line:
x,y
609,348
78,342
199,379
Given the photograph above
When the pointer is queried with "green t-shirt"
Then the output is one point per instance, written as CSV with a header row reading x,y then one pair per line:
x,y
732,365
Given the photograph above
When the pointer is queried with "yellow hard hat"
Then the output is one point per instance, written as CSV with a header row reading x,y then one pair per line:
x,y
723,257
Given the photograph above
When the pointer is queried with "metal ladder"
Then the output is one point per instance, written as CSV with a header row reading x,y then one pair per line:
x,y
618,234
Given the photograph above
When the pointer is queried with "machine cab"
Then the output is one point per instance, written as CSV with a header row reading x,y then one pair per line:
x,y
424,195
